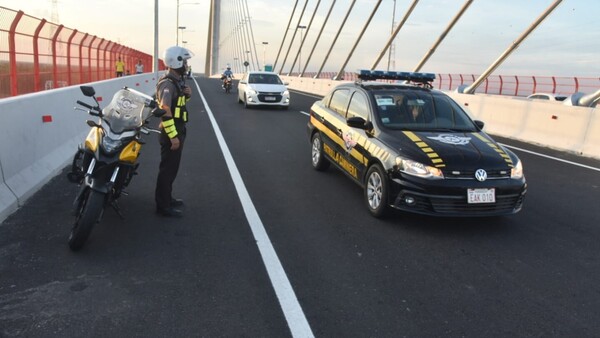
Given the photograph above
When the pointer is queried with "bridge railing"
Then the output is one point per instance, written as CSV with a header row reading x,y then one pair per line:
x,y
513,85
37,55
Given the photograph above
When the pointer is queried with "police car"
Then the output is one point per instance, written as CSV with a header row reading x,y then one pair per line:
x,y
413,148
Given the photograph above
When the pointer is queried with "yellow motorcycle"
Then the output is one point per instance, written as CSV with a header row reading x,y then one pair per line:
x,y
107,161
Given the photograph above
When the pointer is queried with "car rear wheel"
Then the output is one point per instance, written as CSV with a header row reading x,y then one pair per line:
x,y
319,162
376,191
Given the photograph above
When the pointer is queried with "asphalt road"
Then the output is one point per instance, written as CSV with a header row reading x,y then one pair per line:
x,y
209,275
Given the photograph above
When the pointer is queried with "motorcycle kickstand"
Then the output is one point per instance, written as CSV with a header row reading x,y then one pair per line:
x,y
116,207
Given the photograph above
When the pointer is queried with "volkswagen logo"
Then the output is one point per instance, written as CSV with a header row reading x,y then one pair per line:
x,y
481,175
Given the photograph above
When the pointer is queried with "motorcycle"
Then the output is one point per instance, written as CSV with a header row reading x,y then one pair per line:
x,y
227,84
107,160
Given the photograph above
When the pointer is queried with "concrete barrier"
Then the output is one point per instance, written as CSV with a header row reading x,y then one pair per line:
x,y
545,123
40,133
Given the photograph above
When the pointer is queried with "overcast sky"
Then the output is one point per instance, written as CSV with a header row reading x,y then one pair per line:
x,y
565,44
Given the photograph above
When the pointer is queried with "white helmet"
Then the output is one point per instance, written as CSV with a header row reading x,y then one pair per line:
x,y
175,57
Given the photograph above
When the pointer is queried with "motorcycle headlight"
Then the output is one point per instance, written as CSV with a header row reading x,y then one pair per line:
x,y
418,169
517,172
109,145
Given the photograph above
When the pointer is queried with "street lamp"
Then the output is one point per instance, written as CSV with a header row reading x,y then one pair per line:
x,y
264,54
246,62
177,23
300,27
180,28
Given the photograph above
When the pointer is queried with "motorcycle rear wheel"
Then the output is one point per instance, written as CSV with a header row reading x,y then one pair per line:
x,y
89,214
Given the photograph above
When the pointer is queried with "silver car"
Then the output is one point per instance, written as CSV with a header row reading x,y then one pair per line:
x,y
259,88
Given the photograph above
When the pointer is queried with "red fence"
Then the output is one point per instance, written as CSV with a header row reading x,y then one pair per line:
x,y
38,55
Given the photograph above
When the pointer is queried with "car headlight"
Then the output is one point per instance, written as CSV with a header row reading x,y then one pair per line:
x,y
517,172
418,169
286,93
251,92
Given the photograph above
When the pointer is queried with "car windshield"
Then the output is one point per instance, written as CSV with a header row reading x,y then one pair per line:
x,y
126,111
421,110
264,79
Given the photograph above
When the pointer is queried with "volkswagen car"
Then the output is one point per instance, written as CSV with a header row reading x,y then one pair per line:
x,y
258,88
413,148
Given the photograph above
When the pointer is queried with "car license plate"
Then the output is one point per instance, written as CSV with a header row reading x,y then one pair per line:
x,y
270,98
481,196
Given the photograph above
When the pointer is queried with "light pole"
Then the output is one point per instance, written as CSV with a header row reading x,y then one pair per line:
x,y
246,61
177,23
178,29
264,54
301,28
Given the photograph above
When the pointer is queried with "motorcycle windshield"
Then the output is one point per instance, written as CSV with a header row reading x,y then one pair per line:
x,y
125,112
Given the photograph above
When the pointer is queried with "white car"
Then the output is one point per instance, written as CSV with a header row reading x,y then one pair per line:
x,y
547,97
264,89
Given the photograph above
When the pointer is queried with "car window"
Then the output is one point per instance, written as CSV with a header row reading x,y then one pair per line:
x,y
421,110
265,79
358,106
339,101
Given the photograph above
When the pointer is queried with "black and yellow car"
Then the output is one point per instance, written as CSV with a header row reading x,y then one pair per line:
x,y
413,148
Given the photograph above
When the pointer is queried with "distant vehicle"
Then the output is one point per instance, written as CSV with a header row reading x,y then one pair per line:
x,y
546,96
413,148
258,88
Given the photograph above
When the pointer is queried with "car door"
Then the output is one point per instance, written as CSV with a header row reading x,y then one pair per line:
x,y
355,138
334,120
242,88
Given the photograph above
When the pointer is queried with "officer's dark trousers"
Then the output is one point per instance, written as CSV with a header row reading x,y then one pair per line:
x,y
169,166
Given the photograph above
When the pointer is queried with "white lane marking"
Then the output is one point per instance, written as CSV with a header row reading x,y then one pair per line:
x,y
305,113
294,315
551,157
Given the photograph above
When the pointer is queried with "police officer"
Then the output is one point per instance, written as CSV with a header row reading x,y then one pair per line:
x,y
172,95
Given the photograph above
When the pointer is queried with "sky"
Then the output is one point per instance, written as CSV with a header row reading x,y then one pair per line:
x,y
566,43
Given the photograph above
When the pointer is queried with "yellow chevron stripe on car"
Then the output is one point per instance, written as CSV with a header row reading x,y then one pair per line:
x,y
336,138
499,150
436,160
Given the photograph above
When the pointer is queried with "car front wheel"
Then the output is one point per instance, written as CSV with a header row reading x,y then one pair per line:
x,y
376,191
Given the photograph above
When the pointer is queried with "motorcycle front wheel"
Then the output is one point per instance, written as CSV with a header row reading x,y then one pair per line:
x,y
88,215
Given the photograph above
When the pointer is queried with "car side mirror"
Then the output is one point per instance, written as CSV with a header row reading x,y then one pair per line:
x,y
243,82
479,124
286,83
359,122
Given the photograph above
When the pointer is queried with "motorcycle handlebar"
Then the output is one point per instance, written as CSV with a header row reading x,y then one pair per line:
x,y
85,105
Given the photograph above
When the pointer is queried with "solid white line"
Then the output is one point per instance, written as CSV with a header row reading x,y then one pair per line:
x,y
552,158
305,113
294,315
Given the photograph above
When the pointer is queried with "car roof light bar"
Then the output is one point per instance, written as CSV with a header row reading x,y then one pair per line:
x,y
370,75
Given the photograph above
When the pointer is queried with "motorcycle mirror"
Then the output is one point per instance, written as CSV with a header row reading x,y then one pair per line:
x,y
88,91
